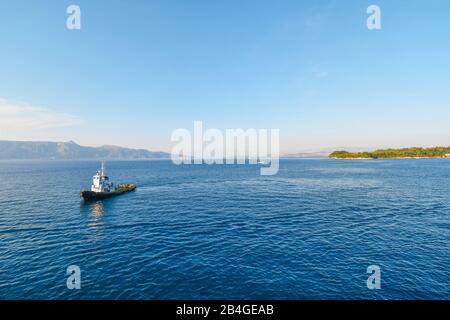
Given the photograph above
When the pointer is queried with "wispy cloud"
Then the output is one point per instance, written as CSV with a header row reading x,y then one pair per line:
x,y
318,15
321,74
22,116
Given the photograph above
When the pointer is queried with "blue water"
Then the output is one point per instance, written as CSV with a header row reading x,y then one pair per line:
x,y
225,232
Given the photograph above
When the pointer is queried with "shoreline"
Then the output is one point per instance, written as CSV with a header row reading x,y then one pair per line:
x,y
395,158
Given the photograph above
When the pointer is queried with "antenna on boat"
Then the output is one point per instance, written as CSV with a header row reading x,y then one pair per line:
x,y
102,170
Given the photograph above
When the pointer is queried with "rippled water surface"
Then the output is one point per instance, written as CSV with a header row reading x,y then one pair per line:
x,y
225,232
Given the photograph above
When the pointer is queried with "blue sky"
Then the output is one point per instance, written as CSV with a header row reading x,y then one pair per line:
x,y
137,70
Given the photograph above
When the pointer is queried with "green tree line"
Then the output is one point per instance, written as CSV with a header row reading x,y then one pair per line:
x,y
436,152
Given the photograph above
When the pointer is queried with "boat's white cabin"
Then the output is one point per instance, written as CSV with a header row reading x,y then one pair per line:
x,y
100,182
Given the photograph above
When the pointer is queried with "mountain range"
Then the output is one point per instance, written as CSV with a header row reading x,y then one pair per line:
x,y
27,150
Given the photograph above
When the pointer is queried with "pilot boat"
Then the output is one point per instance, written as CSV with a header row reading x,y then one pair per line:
x,y
102,187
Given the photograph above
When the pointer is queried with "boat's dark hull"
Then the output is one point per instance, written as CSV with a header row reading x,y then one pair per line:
x,y
91,195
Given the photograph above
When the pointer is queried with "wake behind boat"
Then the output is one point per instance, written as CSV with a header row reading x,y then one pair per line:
x,y
102,187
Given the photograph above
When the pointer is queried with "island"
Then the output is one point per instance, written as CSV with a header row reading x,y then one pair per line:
x,y
405,153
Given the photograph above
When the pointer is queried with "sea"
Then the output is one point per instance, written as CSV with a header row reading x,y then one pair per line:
x,y
314,231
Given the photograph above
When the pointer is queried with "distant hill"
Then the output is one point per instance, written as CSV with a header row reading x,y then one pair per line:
x,y
318,153
25,150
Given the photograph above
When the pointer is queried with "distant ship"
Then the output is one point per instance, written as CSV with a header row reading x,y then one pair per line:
x,y
102,187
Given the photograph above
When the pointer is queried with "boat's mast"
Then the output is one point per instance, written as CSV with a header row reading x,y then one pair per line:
x,y
102,170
